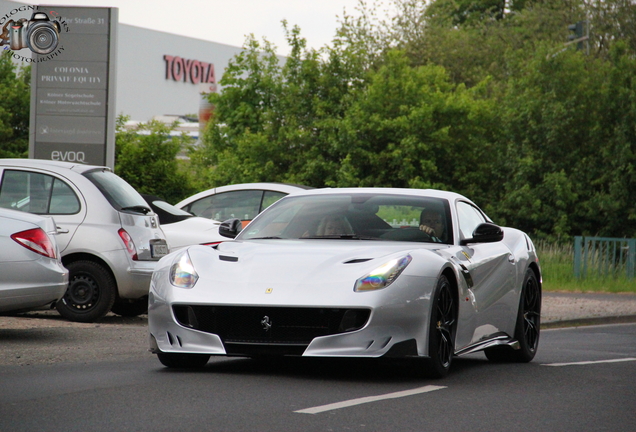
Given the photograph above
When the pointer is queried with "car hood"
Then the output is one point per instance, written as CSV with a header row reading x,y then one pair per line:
x,y
299,271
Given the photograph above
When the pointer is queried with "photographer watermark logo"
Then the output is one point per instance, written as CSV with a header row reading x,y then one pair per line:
x,y
40,33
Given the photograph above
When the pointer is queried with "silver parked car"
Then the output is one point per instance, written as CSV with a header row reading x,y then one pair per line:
x,y
109,239
31,272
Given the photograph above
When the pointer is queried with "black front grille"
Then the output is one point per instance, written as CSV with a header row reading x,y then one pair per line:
x,y
270,325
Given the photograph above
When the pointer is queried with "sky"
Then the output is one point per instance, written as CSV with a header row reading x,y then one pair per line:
x,y
230,21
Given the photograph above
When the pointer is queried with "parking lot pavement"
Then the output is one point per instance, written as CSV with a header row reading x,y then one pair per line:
x,y
51,319
44,337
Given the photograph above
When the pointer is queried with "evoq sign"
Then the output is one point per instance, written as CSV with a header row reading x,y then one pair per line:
x,y
73,91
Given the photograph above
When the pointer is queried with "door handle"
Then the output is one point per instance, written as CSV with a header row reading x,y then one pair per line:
x,y
60,230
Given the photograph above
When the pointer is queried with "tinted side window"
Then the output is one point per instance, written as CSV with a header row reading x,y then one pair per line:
x,y
63,199
469,217
37,193
270,197
200,207
244,205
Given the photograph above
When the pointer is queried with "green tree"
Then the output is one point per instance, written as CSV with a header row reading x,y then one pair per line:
x,y
15,84
326,121
611,21
611,210
459,12
146,157
473,39
412,127
570,137
278,122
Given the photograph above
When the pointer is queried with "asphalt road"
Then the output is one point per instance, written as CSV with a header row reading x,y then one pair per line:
x,y
59,376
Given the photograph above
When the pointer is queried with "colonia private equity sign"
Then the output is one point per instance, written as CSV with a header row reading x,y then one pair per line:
x,y
73,94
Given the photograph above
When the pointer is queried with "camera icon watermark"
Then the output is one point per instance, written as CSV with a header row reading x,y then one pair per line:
x,y
39,34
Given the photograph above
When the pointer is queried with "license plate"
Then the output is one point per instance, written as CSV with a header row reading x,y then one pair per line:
x,y
158,248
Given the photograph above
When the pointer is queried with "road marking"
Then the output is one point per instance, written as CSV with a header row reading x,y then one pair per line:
x,y
591,362
360,401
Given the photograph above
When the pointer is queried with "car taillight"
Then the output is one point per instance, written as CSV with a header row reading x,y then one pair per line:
x,y
129,243
36,240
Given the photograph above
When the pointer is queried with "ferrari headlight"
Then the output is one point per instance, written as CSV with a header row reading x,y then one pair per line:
x,y
383,276
182,273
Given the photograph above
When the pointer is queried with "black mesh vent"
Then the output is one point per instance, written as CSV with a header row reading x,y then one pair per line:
x,y
270,325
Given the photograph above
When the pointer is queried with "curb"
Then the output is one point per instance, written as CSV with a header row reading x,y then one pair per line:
x,y
578,322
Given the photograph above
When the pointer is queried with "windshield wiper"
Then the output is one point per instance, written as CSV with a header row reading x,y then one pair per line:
x,y
137,208
340,237
265,238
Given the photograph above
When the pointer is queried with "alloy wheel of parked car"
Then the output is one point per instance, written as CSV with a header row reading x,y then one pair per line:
x,y
442,330
528,325
91,292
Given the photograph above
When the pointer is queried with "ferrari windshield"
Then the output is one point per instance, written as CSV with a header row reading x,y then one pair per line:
x,y
355,217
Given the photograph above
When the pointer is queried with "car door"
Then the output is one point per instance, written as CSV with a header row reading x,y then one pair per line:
x,y
44,193
492,274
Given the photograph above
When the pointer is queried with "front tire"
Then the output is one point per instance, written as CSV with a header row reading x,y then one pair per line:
x,y
90,294
183,361
527,328
130,308
442,330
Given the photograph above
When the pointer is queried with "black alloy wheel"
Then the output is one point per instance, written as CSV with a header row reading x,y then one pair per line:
x,y
531,315
442,330
90,294
528,325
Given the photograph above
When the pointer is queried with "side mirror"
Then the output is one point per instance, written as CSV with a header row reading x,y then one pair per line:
x,y
485,233
230,228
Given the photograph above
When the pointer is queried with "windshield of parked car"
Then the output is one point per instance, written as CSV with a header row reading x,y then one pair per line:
x,y
354,217
118,192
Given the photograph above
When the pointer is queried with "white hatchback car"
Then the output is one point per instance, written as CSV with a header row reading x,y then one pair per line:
x,y
242,201
182,228
109,239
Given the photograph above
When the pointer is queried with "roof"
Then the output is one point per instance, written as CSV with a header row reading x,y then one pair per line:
x,y
451,196
50,164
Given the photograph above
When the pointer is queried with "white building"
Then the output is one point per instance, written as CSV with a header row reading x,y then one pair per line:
x,y
163,74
